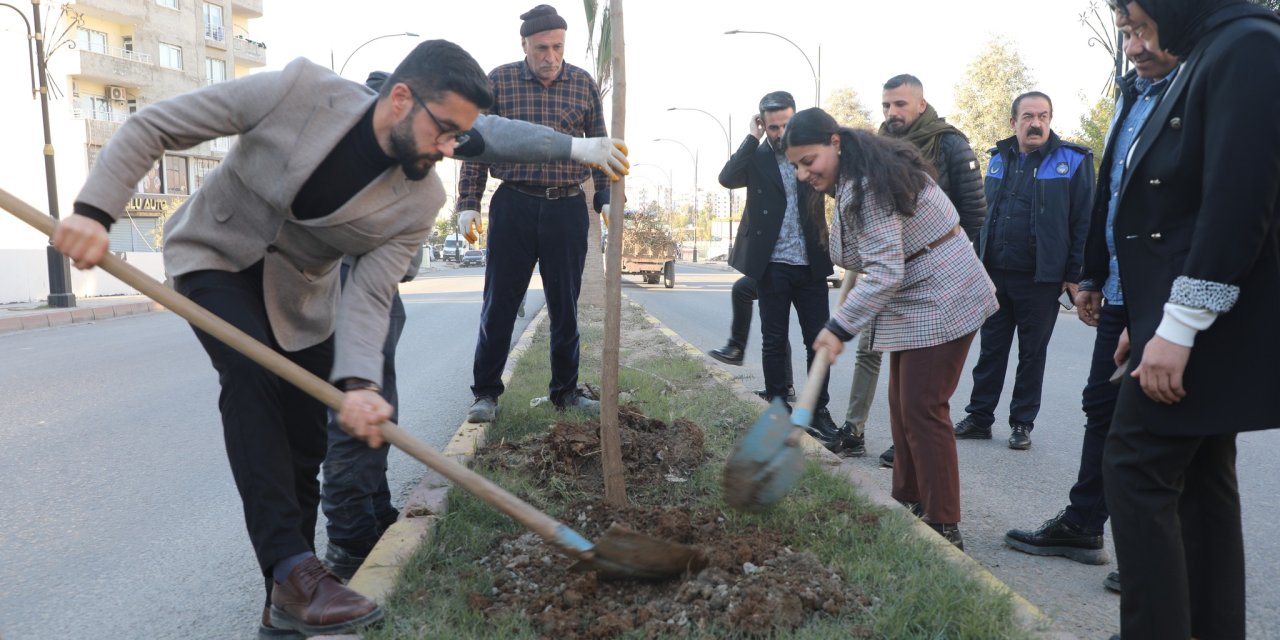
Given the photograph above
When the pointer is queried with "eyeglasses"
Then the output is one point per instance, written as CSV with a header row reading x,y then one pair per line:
x,y
448,134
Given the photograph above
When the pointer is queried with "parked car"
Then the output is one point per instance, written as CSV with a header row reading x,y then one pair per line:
x,y
474,257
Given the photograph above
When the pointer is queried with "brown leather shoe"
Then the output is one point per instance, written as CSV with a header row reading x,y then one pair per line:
x,y
316,603
268,632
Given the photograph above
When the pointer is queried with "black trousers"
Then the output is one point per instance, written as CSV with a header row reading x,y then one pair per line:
x,y
1175,515
1030,308
274,433
1088,506
743,298
782,287
355,497
524,231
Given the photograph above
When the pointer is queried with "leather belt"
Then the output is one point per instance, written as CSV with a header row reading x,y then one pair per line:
x,y
936,243
549,193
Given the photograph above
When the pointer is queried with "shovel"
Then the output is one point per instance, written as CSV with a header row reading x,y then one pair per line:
x,y
768,460
621,553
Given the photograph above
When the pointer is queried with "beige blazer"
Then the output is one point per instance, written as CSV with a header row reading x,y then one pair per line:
x,y
288,121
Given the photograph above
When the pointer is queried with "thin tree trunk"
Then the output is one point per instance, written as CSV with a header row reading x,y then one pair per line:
x,y
615,488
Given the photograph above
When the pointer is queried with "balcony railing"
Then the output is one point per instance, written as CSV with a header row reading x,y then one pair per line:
x,y
123,54
215,33
250,49
102,115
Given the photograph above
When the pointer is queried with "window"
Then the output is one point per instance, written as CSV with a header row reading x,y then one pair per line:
x,y
172,4
200,167
213,22
97,108
90,40
215,70
170,56
175,175
150,183
91,154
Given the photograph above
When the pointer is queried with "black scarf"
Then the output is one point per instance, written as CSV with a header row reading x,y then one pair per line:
x,y
1183,23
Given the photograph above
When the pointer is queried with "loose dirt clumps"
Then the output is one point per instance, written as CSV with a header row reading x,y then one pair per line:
x,y
652,451
754,585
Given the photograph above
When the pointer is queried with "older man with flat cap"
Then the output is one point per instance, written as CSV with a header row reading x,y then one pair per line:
x,y
538,215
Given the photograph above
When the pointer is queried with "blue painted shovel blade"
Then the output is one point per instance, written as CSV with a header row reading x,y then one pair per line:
x,y
763,467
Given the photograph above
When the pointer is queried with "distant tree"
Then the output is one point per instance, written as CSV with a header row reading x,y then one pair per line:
x,y
1274,5
983,98
1094,128
846,107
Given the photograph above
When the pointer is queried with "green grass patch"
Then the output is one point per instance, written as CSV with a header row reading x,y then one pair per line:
x,y
915,591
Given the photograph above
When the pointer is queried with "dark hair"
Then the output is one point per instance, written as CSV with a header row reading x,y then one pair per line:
x,y
901,79
776,101
1013,112
435,67
888,166
1119,6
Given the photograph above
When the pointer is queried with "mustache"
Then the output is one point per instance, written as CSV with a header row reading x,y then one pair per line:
x,y
1035,131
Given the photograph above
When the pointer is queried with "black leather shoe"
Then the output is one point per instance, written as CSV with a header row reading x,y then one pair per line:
x,y
951,532
1057,537
854,446
1112,581
1021,437
728,354
764,394
969,429
886,458
824,430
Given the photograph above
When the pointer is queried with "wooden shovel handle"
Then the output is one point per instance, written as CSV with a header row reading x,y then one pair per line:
x,y
540,523
813,384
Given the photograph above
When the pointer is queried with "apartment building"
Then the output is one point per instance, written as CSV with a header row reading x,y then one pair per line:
x,y
130,53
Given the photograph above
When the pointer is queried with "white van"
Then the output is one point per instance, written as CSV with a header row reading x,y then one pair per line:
x,y
455,245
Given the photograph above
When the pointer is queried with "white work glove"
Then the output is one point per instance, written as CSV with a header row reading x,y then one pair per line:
x,y
470,225
606,154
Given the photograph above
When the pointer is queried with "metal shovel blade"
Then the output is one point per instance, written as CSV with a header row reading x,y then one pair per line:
x,y
625,554
765,464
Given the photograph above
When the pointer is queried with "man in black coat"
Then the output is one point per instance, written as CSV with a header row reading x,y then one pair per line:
x,y
782,244
1199,254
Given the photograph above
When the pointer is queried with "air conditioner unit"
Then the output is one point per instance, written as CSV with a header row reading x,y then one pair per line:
x,y
117,94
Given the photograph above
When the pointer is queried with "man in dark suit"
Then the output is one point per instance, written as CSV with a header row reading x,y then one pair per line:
x,y
323,168
1198,245
782,245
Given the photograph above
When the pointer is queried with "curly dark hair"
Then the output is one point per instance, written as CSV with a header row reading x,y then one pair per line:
x,y
885,165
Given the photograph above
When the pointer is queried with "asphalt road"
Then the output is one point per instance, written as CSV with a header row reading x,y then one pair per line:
x,y
1002,488
118,515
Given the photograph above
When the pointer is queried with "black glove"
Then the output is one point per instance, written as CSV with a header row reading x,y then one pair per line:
x,y
600,200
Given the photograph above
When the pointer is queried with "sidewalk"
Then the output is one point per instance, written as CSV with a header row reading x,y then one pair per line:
x,y
21,316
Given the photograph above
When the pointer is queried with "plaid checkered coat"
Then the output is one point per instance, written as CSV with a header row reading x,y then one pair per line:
x,y
932,299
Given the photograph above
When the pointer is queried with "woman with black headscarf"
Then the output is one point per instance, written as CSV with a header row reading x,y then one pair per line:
x,y
1198,243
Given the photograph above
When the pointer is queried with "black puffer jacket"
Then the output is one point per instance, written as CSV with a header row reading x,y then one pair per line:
x,y
960,178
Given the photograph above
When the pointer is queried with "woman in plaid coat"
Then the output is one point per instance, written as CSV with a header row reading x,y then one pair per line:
x,y
925,293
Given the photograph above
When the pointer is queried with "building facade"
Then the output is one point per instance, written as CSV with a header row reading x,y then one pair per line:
x,y
106,59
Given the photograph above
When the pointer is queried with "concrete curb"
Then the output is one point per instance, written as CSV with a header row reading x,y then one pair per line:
x,y
429,499
45,318
1027,614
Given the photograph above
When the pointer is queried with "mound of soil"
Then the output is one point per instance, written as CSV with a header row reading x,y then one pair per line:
x,y
754,584
652,451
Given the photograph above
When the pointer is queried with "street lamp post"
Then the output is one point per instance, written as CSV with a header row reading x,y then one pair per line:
x,y
60,294
693,155
728,149
817,73
344,62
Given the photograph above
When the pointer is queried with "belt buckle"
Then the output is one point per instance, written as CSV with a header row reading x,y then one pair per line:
x,y
553,193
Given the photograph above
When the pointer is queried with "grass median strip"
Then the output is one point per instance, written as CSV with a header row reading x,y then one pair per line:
x,y
824,564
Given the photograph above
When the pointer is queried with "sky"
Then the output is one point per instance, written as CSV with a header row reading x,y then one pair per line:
x,y
677,55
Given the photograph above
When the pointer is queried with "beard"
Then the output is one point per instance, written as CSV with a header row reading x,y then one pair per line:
x,y
404,146
897,125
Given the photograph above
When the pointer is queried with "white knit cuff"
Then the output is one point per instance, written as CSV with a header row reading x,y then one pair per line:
x,y
1181,324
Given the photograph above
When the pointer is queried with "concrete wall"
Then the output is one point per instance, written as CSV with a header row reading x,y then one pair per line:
x,y
24,276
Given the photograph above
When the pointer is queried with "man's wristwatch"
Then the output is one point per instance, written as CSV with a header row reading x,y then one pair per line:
x,y
356,384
